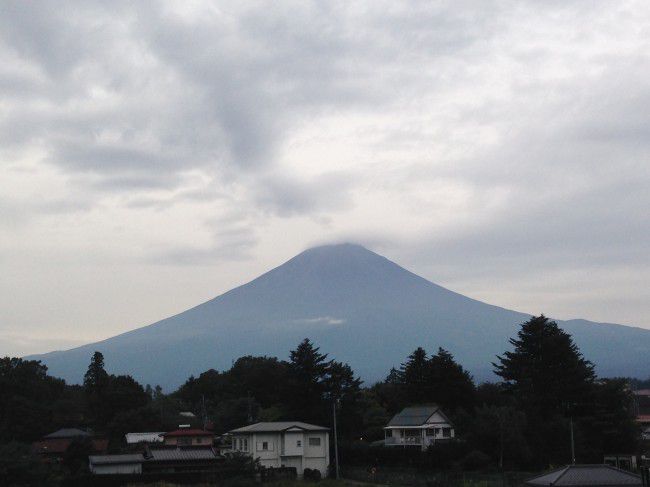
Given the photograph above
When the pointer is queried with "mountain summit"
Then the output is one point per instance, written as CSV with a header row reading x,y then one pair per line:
x,y
356,305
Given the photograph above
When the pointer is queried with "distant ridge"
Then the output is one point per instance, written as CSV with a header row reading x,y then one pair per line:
x,y
356,305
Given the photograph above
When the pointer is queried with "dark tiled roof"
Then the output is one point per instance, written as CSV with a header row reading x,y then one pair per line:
x,y
68,433
413,416
278,426
586,475
181,455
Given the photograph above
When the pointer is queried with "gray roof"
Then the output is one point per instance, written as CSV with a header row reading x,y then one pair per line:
x,y
116,459
414,416
181,455
586,475
277,426
68,433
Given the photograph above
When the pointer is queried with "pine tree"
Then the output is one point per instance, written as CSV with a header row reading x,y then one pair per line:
x,y
448,384
546,370
307,371
415,376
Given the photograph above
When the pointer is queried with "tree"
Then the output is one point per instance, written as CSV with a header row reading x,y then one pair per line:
x,y
96,378
414,376
551,381
307,371
26,400
448,383
95,383
545,371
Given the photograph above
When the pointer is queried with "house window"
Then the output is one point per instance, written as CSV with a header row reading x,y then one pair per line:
x,y
199,440
431,432
314,441
446,432
245,445
184,441
389,433
299,443
412,433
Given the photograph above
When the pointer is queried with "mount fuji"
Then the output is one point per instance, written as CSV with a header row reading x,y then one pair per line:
x,y
356,305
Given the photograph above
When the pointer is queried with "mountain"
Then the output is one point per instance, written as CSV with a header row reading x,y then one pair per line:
x,y
356,305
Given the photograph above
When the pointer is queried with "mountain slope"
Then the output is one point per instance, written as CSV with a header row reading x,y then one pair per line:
x,y
356,305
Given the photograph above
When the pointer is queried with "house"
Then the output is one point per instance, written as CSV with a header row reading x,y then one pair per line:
x,y
167,460
188,437
586,476
285,444
418,426
145,438
52,447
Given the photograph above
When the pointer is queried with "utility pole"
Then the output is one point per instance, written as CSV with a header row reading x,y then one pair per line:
x,y
336,440
573,448
204,413
250,408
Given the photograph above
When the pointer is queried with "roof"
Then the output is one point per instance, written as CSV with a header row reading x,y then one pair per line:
x,y
415,416
153,437
163,455
586,475
188,432
181,455
116,459
68,433
277,426
60,445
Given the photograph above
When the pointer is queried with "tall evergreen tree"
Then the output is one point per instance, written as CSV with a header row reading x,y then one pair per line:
x,y
448,383
307,372
545,371
96,382
415,376
96,378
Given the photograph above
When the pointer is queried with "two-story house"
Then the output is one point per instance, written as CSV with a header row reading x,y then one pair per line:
x,y
418,426
188,437
285,444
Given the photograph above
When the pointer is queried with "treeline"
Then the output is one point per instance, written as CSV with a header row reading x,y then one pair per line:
x,y
521,422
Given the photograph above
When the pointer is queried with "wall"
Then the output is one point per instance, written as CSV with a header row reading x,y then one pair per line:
x,y
291,440
125,468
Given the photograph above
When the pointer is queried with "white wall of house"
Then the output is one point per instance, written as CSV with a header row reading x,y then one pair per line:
x,y
293,448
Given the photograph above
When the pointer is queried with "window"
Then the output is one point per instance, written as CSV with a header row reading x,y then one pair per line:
x,y
314,441
199,440
245,448
389,433
446,432
431,432
184,441
299,443
265,445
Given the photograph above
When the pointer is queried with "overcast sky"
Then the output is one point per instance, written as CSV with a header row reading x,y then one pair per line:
x,y
154,155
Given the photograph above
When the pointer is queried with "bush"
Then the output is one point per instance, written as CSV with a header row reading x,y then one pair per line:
x,y
312,474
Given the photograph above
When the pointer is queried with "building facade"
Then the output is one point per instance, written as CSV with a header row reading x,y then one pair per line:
x,y
284,444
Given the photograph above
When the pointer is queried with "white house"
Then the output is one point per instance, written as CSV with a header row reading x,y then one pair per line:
x,y
418,426
285,444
